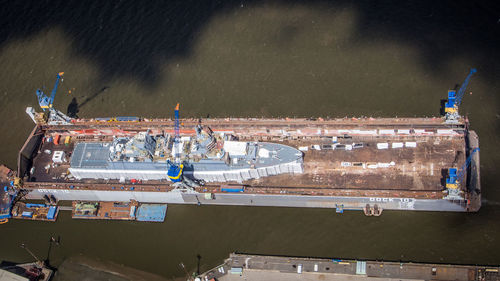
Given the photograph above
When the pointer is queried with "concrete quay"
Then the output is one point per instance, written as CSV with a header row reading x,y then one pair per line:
x,y
255,267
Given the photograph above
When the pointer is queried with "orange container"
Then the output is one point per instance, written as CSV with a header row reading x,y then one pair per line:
x,y
57,138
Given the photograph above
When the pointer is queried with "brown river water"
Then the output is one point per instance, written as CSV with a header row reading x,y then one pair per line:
x,y
255,58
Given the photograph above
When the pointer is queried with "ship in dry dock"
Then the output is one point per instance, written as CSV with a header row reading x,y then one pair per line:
x,y
368,164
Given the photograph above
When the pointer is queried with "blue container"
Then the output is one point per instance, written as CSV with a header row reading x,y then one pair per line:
x,y
226,189
27,214
127,118
51,214
30,205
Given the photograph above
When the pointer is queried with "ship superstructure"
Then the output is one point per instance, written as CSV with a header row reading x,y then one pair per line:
x,y
206,157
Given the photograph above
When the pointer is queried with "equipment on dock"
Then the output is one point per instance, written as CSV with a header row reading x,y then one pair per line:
x,y
18,182
5,205
175,169
175,172
53,116
32,211
455,99
177,138
44,101
454,180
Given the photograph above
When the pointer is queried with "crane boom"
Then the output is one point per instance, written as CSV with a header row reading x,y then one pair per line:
x,y
455,179
463,170
44,101
177,125
461,91
177,138
174,172
455,99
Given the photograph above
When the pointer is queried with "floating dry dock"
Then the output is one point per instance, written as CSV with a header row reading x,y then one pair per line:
x,y
369,164
255,267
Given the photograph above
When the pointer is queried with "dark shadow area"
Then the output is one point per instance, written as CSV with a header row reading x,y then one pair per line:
x,y
134,38
444,175
440,30
442,107
74,107
198,257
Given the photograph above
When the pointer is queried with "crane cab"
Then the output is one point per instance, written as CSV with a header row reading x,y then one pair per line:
x,y
450,106
451,180
175,172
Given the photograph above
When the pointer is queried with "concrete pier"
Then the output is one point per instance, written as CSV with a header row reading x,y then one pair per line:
x,y
255,267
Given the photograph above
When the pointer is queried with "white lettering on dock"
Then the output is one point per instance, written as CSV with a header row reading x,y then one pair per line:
x,y
382,199
52,190
403,203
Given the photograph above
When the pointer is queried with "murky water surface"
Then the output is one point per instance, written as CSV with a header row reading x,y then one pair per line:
x,y
250,58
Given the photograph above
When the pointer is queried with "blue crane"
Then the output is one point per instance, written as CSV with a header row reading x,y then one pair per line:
x,y
175,169
177,125
454,98
453,179
43,100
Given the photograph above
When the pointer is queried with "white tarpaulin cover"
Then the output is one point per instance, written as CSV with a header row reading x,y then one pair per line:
x,y
235,148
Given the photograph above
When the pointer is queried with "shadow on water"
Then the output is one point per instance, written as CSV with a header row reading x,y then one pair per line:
x,y
74,107
198,257
134,38
52,241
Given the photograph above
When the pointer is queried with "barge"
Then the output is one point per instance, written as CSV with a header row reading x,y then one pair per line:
x,y
32,211
128,211
366,164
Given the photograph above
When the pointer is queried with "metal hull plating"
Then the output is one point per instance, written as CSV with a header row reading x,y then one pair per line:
x,y
242,199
